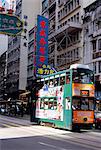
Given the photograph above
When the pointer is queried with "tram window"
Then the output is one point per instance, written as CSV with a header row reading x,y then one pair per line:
x,y
62,80
45,103
76,104
84,104
56,81
51,83
91,104
46,82
51,104
39,85
55,103
67,78
83,76
42,104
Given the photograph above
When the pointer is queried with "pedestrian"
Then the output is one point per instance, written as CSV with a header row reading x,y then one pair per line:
x,y
21,109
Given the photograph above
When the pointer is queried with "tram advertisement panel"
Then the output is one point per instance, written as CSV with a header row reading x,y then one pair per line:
x,y
86,90
50,103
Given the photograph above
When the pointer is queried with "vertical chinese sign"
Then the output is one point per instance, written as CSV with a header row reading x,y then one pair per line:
x,y
42,44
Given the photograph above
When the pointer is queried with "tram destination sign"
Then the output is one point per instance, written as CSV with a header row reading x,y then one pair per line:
x,y
10,24
84,93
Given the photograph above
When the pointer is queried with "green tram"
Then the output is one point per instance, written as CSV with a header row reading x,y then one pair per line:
x,y
65,99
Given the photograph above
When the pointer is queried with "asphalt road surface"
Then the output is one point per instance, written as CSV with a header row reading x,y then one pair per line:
x,y
17,134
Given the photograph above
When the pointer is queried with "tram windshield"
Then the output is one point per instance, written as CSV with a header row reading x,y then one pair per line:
x,y
83,76
83,103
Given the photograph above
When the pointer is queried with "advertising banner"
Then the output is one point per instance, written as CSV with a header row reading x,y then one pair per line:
x,y
53,114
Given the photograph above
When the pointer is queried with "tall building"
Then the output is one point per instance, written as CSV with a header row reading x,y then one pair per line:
x,y
3,73
27,10
65,32
92,41
31,57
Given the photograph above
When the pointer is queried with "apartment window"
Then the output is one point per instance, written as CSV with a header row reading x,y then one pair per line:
x,y
99,25
99,44
94,45
71,19
77,2
69,7
94,67
77,17
74,18
77,53
66,10
59,15
71,4
99,66
44,5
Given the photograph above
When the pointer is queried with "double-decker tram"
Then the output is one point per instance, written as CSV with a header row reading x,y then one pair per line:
x,y
66,99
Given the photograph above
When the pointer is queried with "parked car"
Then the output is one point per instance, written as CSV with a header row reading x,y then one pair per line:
x,y
3,110
98,120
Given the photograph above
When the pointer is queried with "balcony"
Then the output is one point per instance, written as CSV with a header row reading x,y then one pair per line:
x,y
96,55
51,2
51,14
96,33
71,26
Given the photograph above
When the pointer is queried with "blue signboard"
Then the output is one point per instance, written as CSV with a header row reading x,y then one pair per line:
x,y
42,44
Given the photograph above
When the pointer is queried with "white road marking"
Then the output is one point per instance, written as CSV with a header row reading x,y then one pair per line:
x,y
52,146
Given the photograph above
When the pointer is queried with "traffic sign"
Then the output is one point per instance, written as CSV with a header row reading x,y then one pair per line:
x,y
10,24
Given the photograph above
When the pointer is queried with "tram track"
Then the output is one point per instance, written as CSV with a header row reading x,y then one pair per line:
x,y
74,138
78,141
87,140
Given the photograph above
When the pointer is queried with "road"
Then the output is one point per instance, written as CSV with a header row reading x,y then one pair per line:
x,y
18,134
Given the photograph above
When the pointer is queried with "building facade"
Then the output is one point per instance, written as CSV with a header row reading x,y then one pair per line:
x,y
92,41
31,57
3,73
18,47
65,32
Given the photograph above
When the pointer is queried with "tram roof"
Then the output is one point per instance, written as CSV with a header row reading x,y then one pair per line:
x,y
73,66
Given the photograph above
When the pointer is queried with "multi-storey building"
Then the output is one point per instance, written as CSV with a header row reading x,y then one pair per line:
x,y
65,32
31,57
3,73
92,41
27,10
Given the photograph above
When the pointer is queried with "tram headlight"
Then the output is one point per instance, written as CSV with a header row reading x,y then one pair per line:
x,y
85,119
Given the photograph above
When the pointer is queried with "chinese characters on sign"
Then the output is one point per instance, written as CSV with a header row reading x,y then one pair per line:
x,y
42,46
10,24
45,70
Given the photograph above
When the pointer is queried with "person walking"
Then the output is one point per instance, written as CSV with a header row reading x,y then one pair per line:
x,y
21,110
